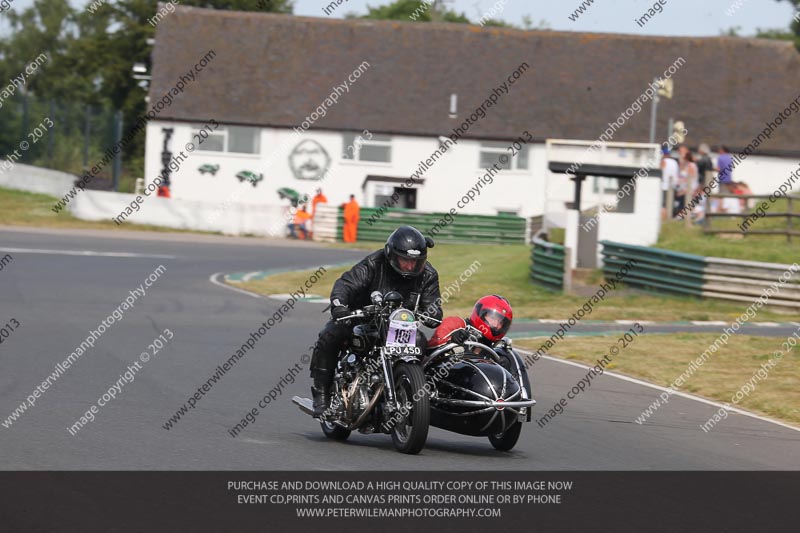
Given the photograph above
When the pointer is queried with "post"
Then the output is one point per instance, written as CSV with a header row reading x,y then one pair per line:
x,y
578,179
671,201
24,120
566,283
789,220
86,128
653,113
116,169
51,135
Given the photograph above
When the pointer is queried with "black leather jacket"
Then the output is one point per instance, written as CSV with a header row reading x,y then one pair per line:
x,y
374,273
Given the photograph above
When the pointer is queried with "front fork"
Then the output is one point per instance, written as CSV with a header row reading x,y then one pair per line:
x,y
388,378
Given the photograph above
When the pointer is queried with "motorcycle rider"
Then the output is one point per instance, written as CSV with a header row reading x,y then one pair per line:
x,y
400,266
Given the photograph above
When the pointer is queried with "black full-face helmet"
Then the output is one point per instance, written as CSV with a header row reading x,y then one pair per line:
x,y
407,251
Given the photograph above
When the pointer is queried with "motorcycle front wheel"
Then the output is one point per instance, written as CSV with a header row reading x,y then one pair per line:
x,y
410,431
334,431
506,440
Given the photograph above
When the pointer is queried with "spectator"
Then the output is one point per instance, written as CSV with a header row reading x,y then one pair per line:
x,y
687,179
740,187
725,165
669,177
318,199
730,205
351,216
301,218
704,163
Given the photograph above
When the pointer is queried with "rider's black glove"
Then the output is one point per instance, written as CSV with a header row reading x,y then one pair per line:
x,y
340,311
430,322
459,336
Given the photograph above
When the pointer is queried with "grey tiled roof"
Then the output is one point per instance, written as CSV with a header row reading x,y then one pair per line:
x,y
274,70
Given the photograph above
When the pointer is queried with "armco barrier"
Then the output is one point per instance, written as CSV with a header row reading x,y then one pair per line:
x,y
711,277
550,265
480,229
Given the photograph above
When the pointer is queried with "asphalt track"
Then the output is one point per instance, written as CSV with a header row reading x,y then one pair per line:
x,y
58,297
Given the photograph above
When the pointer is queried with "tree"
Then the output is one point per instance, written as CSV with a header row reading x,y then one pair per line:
x,y
90,56
795,24
432,11
413,10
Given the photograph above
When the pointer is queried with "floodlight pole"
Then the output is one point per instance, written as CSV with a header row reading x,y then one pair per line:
x,y
653,113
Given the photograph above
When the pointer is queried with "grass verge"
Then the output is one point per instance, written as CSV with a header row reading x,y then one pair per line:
x,y
768,248
660,359
20,208
503,269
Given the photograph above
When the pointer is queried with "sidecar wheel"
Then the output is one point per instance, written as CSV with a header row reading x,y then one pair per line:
x,y
334,431
508,439
411,432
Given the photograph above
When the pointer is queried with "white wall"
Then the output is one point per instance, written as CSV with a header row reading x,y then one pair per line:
x,y
640,227
764,174
238,219
35,179
529,192
450,177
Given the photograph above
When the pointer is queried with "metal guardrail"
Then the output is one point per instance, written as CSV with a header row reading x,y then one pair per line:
x,y
711,277
480,229
550,265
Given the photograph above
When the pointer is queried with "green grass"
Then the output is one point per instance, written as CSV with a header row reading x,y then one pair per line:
x,y
20,208
660,359
504,270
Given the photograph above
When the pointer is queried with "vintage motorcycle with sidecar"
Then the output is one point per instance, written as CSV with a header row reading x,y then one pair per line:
x,y
383,383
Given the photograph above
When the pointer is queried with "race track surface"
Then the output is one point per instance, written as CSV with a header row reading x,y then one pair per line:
x,y
58,298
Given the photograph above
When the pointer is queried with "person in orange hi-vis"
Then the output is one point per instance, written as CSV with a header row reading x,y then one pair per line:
x,y
300,219
318,199
351,216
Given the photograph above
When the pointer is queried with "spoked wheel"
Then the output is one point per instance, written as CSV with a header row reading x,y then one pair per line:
x,y
508,439
410,431
334,431
331,430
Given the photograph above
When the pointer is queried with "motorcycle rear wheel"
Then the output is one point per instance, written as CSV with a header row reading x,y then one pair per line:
x,y
508,439
411,432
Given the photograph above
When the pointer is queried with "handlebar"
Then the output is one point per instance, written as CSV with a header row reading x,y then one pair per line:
x,y
358,313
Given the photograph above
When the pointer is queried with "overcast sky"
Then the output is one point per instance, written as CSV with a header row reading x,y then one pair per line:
x,y
679,17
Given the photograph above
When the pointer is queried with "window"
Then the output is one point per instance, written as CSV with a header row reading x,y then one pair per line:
x,y
498,153
605,185
371,147
233,139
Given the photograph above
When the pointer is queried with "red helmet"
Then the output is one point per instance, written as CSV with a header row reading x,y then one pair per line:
x,y
492,315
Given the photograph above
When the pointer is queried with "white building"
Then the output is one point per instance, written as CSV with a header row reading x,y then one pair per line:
x,y
356,106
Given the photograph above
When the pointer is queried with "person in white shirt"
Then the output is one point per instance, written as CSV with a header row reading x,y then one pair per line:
x,y
669,178
730,205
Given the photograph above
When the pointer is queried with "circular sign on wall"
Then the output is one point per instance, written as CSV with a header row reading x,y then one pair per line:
x,y
309,160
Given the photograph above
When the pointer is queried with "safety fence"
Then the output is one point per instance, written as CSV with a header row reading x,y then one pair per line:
x,y
757,206
550,265
711,277
473,229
